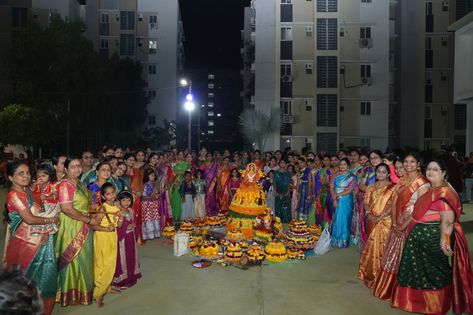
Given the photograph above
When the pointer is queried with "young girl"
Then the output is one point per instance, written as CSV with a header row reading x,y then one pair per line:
x,y
105,242
234,182
150,207
127,271
199,200
45,194
187,191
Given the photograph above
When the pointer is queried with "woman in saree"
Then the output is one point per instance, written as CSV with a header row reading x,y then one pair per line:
x,y
322,188
342,186
282,190
210,176
136,184
223,185
431,277
294,171
368,176
182,165
378,200
412,186
165,178
74,240
305,195
333,170
30,237
356,168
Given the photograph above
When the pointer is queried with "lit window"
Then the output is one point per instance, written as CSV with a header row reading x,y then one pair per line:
x,y
211,104
153,46
219,115
211,85
211,123
211,76
286,33
210,95
210,113
210,132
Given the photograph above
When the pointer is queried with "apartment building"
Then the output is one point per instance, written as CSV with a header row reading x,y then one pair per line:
x,y
463,81
326,64
148,31
14,14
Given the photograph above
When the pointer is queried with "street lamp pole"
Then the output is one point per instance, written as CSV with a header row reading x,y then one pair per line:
x,y
189,106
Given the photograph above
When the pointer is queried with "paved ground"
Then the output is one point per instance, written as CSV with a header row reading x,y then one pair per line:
x,y
319,285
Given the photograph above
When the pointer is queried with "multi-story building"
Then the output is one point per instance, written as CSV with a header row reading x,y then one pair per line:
x,y
14,14
463,83
148,31
218,104
325,63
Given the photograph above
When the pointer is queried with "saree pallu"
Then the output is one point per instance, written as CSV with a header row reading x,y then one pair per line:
x,y
370,260
74,249
283,199
210,174
127,270
179,170
370,178
343,213
440,281
224,196
386,281
33,252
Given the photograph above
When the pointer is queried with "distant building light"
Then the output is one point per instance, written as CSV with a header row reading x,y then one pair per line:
x,y
218,115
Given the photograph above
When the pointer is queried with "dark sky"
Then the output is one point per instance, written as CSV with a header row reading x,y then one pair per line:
x,y
212,31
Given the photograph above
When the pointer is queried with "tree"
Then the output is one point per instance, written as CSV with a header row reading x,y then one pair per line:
x,y
158,137
56,72
19,125
256,126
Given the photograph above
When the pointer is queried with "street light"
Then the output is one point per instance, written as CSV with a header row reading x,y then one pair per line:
x,y
189,106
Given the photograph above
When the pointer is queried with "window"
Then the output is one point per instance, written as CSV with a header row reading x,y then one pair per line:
x,y
428,112
326,71
286,33
308,31
365,109
460,116
103,43
211,85
327,5
444,110
104,18
327,32
308,68
286,1
19,16
327,141
428,78
444,41
444,6
211,76
210,95
153,20
153,46
127,44
152,69
211,104
365,71
210,114
429,17
286,107
127,20
152,120
211,123
286,69
365,1
210,132
428,8
152,93
286,11
326,110
365,32
428,43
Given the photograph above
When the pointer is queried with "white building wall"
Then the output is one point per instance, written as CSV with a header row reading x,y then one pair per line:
x,y
375,126
165,104
267,69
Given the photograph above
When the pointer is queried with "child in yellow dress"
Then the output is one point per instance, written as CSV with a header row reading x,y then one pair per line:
x,y
105,242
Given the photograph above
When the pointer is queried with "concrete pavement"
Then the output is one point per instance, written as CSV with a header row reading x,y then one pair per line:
x,y
319,285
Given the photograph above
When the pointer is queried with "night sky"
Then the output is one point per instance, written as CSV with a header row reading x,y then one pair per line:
x,y
212,31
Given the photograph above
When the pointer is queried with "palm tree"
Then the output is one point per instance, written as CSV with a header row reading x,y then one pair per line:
x,y
256,126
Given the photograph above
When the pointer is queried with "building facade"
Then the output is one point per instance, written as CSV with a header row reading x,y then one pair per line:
x,y
148,31
326,65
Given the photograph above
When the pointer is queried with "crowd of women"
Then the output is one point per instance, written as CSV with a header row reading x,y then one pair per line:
x,y
405,225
